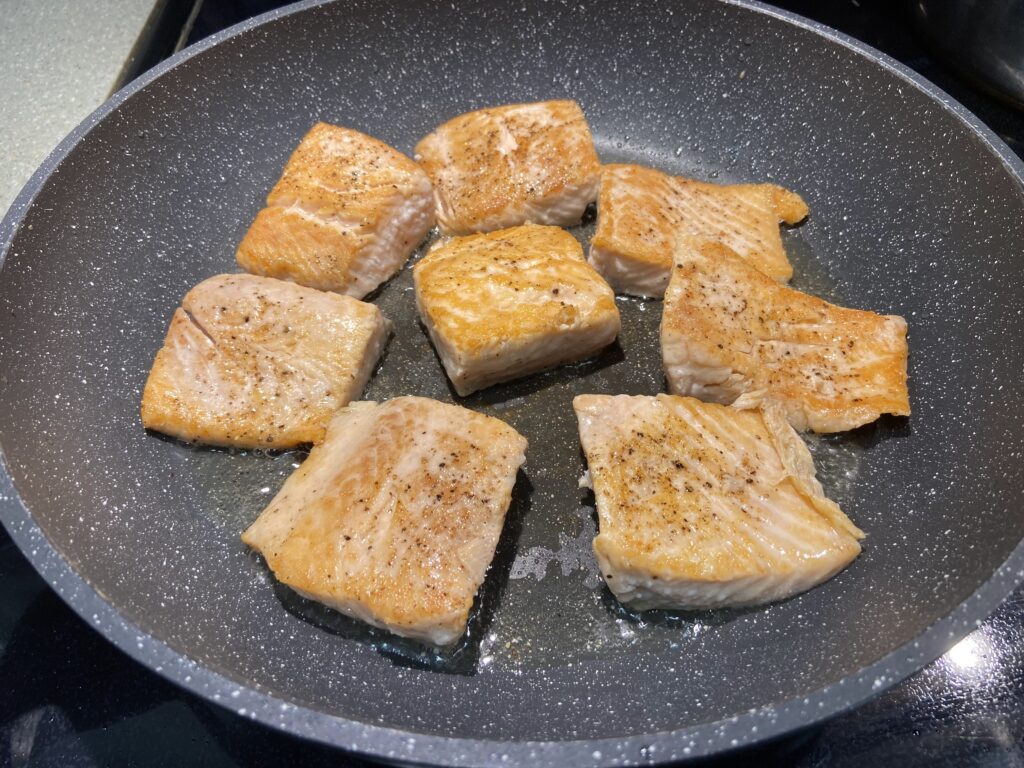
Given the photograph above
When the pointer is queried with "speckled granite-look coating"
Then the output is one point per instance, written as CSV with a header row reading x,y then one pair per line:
x,y
915,210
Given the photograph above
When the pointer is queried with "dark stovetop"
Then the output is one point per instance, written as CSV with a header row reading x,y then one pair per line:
x,y
69,698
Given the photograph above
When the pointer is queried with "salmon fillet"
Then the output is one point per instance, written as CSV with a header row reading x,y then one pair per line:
x,y
345,216
394,517
729,331
255,362
506,304
641,212
504,166
704,506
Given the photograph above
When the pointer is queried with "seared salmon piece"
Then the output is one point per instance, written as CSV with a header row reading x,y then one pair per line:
x,y
394,517
728,331
641,213
637,223
506,304
503,166
704,506
255,362
345,216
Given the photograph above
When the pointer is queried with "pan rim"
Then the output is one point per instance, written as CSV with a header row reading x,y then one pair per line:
x,y
712,737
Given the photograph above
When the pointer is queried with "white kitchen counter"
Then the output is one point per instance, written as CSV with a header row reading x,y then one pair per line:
x,y
59,60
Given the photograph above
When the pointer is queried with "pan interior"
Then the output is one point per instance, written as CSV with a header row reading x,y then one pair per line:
x,y
911,213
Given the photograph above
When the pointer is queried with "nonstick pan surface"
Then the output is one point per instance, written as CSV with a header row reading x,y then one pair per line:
x,y
917,209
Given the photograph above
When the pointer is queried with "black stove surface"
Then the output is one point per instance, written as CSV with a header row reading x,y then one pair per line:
x,y
71,699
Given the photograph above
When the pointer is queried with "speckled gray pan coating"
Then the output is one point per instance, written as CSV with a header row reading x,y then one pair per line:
x,y
916,209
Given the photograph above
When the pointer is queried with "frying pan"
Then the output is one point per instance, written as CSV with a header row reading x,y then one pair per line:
x,y
917,209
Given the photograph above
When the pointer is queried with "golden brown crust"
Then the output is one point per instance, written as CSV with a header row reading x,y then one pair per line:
x,y
504,304
394,517
290,245
635,214
333,220
789,206
642,212
503,166
728,330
